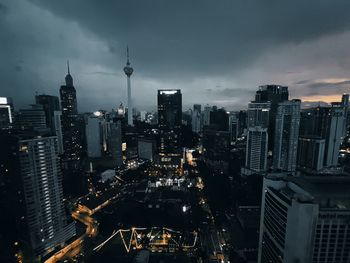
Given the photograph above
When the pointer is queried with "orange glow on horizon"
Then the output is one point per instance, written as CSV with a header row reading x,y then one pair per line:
x,y
324,98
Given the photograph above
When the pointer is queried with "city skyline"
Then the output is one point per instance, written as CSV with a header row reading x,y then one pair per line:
x,y
222,136
222,67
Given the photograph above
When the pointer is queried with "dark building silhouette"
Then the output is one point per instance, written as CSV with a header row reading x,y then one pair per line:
x,y
169,120
326,123
273,94
32,195
286,135
220,119
70,124
50,105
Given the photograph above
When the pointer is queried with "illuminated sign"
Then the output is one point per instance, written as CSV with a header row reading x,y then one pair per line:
x,y
3,100
168,92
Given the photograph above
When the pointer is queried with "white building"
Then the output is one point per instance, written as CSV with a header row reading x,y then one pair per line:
x,y
305,220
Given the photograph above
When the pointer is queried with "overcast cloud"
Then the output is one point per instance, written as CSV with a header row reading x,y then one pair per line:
x,y
216,52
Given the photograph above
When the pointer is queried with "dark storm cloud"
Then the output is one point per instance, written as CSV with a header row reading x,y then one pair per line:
x,y
326,87
186,44
229,92
169,38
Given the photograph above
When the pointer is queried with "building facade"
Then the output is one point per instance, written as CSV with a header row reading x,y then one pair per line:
x,y
257,146
286,136
305,220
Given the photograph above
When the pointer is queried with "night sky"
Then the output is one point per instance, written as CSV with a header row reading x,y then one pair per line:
x,y
216,52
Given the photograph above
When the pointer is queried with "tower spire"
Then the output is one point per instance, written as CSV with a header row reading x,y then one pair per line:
x,y
68,66
127,55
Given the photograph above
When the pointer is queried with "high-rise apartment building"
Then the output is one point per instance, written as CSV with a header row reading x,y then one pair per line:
x,y
206,115
305,220
257,145
196,118
258,114
335,134
310,153
234,126
42,186
286,136
327,123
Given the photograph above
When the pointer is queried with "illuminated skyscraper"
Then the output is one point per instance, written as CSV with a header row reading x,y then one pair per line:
x,y
169,119
42,182
128,70
70,128
6,113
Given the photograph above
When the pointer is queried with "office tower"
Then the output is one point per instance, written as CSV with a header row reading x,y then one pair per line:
x,y
220,119
273,94
305,220
256,153
42,185
242,119
93,136
335,134
217,147
32,118
234,126
128,70
310,153
206,115
6,113
196,118
286,135
169,120
146,148
345,104
326,123
258,114
115,136
69,118
57,125
50,105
